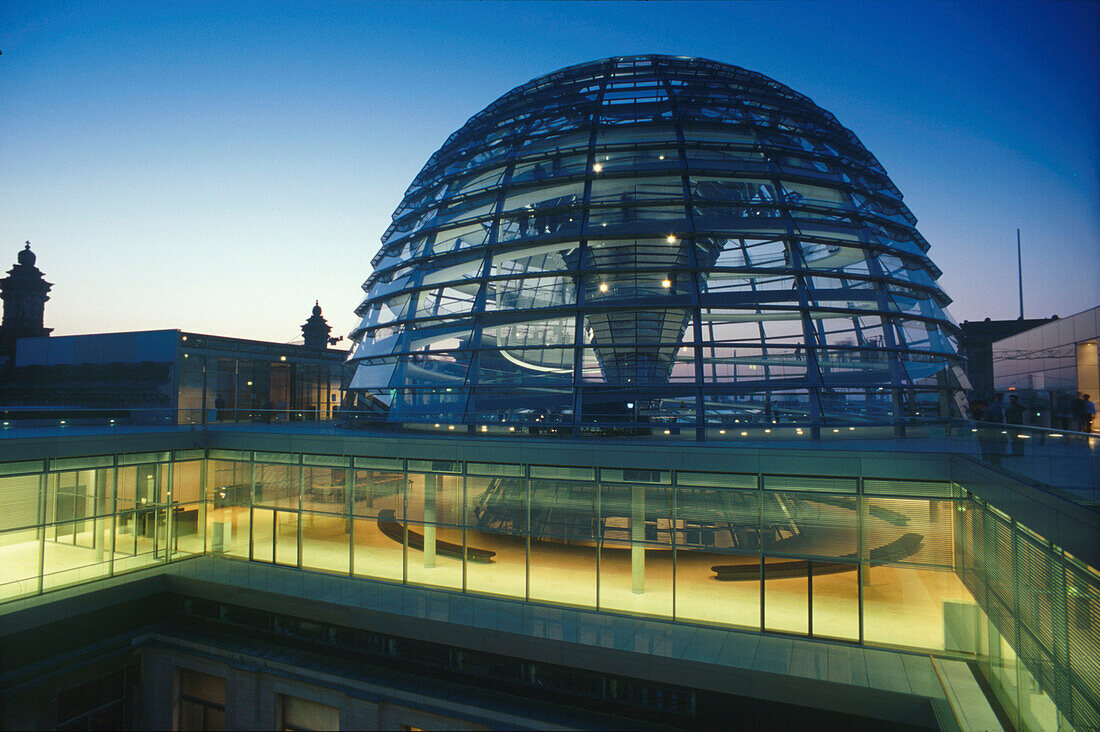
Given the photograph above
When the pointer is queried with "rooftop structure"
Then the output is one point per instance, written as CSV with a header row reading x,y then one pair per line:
x,y
24,292
655,240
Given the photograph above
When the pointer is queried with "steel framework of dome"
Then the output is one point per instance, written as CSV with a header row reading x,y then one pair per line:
x,y
657,240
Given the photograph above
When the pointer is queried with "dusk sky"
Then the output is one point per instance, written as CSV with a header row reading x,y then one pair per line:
x,y
216,167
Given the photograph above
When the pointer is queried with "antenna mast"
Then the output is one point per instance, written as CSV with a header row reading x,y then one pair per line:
x,y
1020,269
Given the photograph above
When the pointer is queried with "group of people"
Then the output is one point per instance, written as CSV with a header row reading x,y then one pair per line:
x,y
997,411
1082,411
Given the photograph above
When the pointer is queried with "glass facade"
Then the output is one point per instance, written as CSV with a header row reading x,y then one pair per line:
x,y
654,240
919,565
235,380
1049,366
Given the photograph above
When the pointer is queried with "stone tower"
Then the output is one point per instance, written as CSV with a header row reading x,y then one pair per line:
x,y
24,292
316,329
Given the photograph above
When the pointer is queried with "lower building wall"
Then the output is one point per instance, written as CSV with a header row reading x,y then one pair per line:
x,y
1037,634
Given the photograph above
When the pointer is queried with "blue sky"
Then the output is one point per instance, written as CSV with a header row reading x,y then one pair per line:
x,y
217,167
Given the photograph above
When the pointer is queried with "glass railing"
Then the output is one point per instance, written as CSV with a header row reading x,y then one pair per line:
x,y
1058,460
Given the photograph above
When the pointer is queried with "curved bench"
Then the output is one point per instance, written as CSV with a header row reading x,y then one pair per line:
x,y
901,548
394,529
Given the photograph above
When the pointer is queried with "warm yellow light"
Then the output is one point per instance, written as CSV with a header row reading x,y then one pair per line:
x,y
667,432
185,338
662,157
721,432
484,428
603,287
767,431
597,167
666,284
437,424
511,429
450,426
744,434
282,358
671,239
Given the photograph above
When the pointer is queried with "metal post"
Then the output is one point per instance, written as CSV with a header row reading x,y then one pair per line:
x,y
637,537
1020,269
430,485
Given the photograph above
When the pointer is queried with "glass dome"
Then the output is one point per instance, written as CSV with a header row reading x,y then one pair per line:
x,y
654,240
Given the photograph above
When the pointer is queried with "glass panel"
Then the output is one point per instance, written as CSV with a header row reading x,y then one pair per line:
x,y
19,552
19,497
835,600
496,514
188,528
718,527
636,549
276,485
229,486
379,536
905,607
325,543
263,544
324,489
69,555
434,533
909,530
786,595
286,538
563,542
377,554
186,483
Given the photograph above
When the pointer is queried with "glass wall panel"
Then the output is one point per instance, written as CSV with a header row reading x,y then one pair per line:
x,y
917,530
436,540
786,595
147,529
718,526
187,481
325,542
835,600
379,533
564,539
20,552
229,495
904,606
276,485
810,524
324,489
636,566
263,536
69,557
188,522
19,501
497,521
286,538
